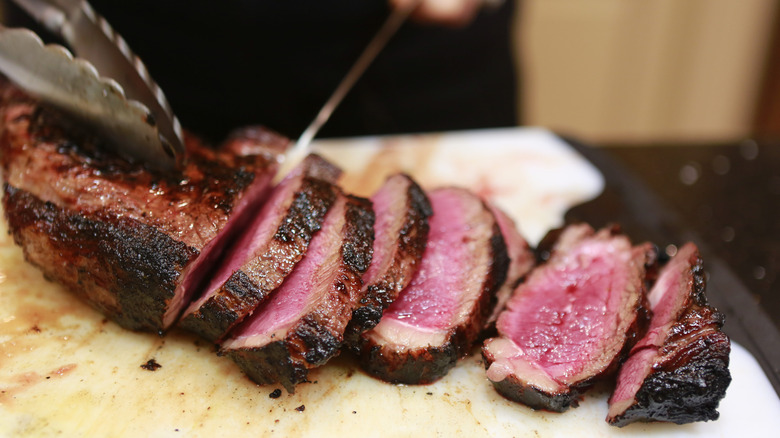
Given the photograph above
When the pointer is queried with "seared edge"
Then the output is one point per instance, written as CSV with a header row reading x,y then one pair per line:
x,y
319,334
191,204
247,287
125,269
426,364
521,261
546,394
690,375
187,209
522,390
407,250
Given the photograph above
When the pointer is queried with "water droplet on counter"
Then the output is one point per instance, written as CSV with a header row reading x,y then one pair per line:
x,y
759,272
690,173
749,149
721,164
727,234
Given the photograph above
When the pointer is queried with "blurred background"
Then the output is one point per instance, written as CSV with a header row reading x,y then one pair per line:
x,y
640,71
616,71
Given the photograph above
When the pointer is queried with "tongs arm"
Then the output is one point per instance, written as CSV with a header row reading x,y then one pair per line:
x,y
93,39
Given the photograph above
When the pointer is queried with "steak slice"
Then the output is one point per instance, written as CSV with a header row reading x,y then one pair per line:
x,y
266,252
679,371
301,326
569,322
521,260
438,317
132,242
401,231
256,140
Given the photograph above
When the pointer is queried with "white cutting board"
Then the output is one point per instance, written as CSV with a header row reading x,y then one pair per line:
x,y
66,371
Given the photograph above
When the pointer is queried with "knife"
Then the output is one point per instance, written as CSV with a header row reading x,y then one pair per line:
x,y
298,152
136,116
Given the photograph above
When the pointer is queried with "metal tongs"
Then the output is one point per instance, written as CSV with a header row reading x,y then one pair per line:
x,y
109,89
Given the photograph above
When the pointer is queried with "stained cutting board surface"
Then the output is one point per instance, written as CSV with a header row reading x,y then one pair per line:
x,y
66,371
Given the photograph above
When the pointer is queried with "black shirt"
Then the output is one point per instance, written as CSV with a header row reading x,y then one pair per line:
x,y
233,63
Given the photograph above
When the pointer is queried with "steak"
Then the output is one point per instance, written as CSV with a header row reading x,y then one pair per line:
x,y
267,251
438,317
301,326
570,321
132,242
256,140
521,260
678,372
401,231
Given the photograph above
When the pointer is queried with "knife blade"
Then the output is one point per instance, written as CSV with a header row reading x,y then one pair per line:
x,y
93,39
301,148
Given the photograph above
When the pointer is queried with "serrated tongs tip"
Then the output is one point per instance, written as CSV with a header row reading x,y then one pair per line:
x,y
133,113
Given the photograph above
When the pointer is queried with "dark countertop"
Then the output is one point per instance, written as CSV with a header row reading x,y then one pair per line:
x,y
726,199
729,194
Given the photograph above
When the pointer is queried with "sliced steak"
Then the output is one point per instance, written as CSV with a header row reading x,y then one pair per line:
x,y
266,252
570,321
257,140
132,242
521,260
679,371
401,231
302,324
438,317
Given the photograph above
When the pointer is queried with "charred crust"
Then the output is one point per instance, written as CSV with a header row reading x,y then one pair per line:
x,y
251,285
288,361
690,375
155,224
544,248
512,389
414,232
221,312
419,203
134,265
307,211
364,318
631,323
498,270
516,390
419,366
270,364
318,335
358,247
699,281
413,237
428,364
687,393
495,279
318,342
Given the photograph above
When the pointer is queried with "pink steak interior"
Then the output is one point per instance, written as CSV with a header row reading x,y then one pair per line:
x,y
432,298
565,318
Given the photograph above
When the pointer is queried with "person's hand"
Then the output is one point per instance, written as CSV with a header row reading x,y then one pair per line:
x,y
445,12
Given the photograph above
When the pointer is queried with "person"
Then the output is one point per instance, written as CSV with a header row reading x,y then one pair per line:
x,y
223,65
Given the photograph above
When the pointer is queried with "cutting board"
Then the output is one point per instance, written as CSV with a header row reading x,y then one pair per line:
x,y
65,370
